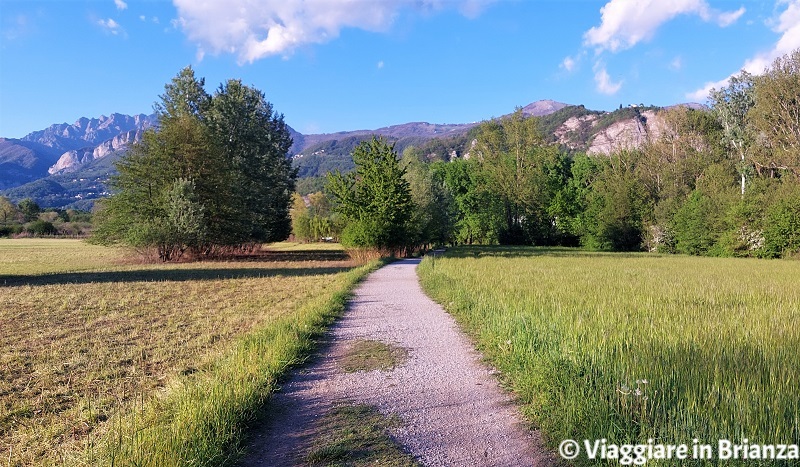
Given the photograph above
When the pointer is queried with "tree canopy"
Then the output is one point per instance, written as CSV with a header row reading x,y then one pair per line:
x,y
375,199
213,176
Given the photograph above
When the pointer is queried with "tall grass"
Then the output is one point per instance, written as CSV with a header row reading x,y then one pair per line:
x,y
104,361
634,347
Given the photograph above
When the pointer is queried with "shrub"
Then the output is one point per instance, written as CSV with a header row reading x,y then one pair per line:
x,y
10,230
694,233
40,228
782,228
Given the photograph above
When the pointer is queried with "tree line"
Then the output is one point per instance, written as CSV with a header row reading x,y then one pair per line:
x,y
27,219
215,177
724,181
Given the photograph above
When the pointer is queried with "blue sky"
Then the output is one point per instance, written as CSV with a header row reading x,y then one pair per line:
x,y
336,65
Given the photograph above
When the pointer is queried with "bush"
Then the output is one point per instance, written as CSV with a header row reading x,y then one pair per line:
x,y
41,228
694,233
10,230
362,234
782,228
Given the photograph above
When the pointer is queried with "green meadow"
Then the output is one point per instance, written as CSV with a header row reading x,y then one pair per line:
x,y
108,361
632,347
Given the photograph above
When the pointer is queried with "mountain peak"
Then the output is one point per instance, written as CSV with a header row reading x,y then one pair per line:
x,y
542,108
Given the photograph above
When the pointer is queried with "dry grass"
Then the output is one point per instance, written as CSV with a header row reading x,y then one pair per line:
x,y
298,246
357,435
42,256
369,355
87,338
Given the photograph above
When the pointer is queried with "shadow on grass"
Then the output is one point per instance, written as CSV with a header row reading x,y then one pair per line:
x,y
497,251
295,255
165,275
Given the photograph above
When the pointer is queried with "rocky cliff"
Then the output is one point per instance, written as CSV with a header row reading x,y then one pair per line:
x,y
73,160
87,132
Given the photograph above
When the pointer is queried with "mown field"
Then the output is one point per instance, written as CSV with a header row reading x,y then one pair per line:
x,y
631,347
107,361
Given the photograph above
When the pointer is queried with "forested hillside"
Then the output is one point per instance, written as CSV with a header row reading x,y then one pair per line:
x,y
723,180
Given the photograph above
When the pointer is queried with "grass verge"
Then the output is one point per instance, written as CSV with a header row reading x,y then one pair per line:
x,y
369,355
357,435
631,347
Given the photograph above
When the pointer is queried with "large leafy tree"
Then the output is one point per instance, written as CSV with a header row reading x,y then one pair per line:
x,y
254,141
434,209
29,209
213,175
730,105
618,206
775,116
8,212
522,172
478,216
375,199
312,219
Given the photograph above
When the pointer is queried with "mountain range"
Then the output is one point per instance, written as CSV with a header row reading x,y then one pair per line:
x,y
69,165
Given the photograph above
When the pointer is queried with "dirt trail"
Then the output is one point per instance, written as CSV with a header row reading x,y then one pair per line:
x,y
452,410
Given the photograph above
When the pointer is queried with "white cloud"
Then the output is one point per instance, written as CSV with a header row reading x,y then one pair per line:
x,y
380,64
121,5
726,19
603,80
676,63
625,23
568,64
702,94
142,17
256,29
787,25
110,26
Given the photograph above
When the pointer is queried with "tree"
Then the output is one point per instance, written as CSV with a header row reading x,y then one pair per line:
x,y
775,116
375,199
671,165
618,205
29,209
570,202
518,168
8,212
312,220
478,214
213,176
731,105
41,228
434,211
693,233
138,214
254,142
782,223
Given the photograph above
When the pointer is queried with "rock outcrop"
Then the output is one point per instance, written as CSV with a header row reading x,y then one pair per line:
x,y
72,160
87,132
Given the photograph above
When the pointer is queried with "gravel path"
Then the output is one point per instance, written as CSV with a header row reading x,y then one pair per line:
x,y
452,410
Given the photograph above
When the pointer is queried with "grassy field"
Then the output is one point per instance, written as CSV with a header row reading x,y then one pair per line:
x,y
104,361
631,347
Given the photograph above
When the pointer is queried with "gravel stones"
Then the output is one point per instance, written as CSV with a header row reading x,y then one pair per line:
x,y
452,410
